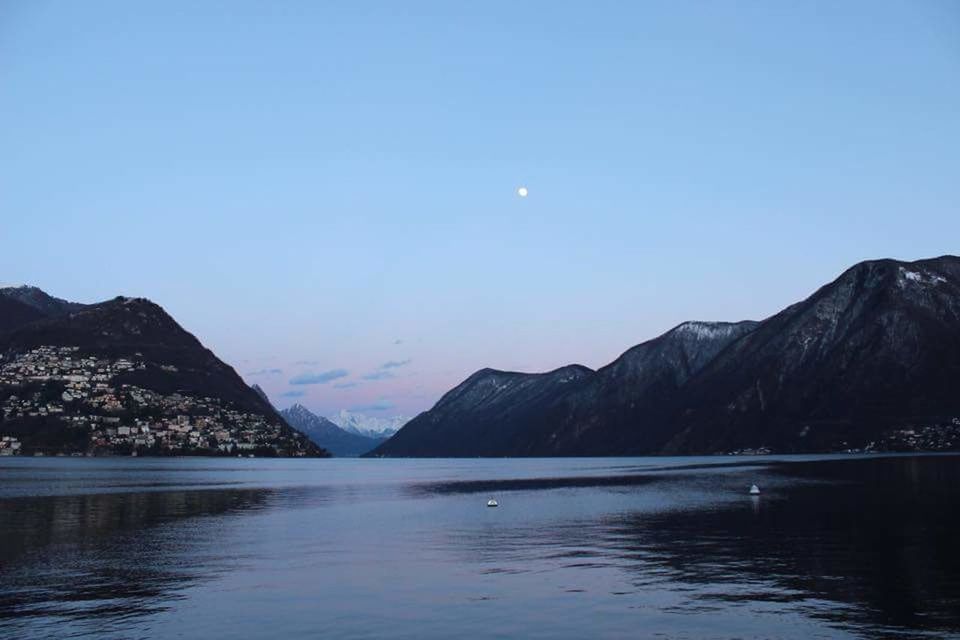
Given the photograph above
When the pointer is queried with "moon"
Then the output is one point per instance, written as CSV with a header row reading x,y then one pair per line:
x,y
522,192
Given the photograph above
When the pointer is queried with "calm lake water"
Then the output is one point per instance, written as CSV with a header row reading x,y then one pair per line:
x,y
579,548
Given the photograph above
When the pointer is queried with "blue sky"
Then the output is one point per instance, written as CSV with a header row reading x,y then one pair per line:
x,y
325,193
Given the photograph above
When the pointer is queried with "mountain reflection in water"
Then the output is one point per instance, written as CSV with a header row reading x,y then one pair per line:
x,y
835,547
101,556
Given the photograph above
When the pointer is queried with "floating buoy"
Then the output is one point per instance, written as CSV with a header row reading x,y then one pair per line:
x,y
492,503
754,490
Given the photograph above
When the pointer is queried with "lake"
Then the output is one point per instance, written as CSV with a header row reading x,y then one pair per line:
x,y
836,546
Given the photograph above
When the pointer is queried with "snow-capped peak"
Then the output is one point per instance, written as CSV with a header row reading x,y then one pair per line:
x,y
369,426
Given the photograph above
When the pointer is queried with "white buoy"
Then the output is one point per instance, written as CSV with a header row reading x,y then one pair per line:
x,y
754,490
492,503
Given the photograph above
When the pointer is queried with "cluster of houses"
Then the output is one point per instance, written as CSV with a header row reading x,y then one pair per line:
x,y
9,446
217,429
759,451
939,437
931,437
81,392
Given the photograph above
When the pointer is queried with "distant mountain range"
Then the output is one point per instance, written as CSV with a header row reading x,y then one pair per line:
x,y
123,377
349,441
328,435
368,426
870,361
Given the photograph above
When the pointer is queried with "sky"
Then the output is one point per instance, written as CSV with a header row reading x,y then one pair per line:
x,y
325,193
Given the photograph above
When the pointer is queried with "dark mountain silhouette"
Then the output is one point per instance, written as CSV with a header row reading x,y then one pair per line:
x,y
491,413
14,314
146,363
260,392
40,300
570,411
138,328
877,349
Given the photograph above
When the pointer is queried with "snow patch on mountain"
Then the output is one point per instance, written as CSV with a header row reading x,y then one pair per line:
x,y
708,330
906,276
369,426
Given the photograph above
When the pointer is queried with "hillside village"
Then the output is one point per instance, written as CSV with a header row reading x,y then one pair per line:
x,y
82,392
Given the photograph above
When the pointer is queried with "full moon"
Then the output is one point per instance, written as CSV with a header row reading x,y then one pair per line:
x,y
522,192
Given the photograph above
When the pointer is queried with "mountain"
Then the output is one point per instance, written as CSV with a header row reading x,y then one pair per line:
x,y
491,413
14,313
869,359
368,426
875,350
570,411
260,392
627,406
40,300
122,376
326,434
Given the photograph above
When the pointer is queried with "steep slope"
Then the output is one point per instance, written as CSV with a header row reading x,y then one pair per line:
x,y
571,411
627,407
877,348
492,413
870,358
174,360
260,392
123,376
326,434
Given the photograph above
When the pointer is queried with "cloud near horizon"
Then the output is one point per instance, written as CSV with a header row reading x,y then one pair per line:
x,y
384,372
380,405
319,378
395,364
346,385
265,372
293,393
379,375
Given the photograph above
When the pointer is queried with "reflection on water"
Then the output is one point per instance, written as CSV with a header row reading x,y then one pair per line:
x,y
878,548
368,548
101,557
